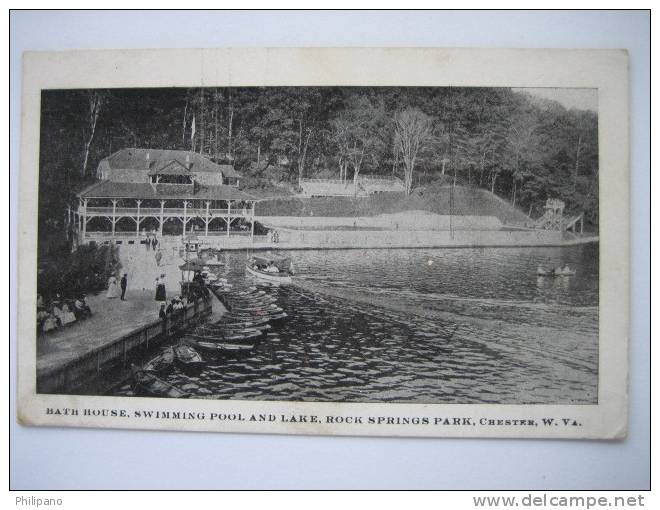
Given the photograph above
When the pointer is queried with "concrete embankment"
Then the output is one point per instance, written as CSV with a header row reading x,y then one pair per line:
x,y
368,239
408,220
410,229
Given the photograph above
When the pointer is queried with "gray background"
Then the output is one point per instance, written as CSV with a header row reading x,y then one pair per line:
x,y
77,458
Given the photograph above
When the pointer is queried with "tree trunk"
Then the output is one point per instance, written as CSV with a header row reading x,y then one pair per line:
x,y
577,161
216,112
301,157
202,123
95,101
183,126
513,201
229,128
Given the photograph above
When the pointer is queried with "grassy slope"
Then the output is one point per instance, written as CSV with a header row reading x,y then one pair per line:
x,y
467,202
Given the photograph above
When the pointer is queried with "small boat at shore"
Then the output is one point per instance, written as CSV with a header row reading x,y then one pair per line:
x,y
231,336
188,358
236,322
224,347
271,308
232,327
162,363
233,304
146,383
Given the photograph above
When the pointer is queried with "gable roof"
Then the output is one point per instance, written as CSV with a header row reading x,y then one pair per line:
x,y
136,159
168,167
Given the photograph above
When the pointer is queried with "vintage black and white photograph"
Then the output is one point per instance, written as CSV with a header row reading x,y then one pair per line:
x,y
254,253
330,244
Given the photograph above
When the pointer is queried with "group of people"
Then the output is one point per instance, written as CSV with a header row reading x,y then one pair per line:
x,y
271,268
273,236
542,271
151,241
200,290
175,305
113,287
60,312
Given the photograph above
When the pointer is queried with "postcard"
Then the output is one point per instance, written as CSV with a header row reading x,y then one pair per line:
x,y
340,241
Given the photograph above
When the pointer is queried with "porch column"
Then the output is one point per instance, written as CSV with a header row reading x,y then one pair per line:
x,y
84,223
228,216
114,217
137,221
185,217
162,219
252,233
206,228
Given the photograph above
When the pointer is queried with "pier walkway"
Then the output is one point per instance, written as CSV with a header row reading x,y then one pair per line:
x,y
111,319
81,351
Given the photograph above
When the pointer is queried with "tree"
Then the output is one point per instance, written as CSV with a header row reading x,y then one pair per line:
x,y
95,103
412,133
521,148
358,130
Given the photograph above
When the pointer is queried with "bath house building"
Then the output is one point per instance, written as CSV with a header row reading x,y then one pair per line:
x,y
169,193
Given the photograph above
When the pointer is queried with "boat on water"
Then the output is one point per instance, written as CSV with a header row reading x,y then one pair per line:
x,y
232,327
268,307
249,300
271,268
230,336
163,363
147,383
232,303
224,346
236,322
565,271
188,358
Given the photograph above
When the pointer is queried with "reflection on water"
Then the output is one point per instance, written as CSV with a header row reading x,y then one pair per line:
x,y
510,337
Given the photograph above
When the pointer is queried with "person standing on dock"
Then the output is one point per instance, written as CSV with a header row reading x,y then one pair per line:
x,y
113,291
122,284
158,256
160,288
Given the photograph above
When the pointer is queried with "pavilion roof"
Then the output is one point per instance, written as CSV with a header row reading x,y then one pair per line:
x,y
146,191
136,159
168,167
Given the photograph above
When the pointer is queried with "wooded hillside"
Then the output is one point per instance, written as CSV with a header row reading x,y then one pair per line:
x,y
522,148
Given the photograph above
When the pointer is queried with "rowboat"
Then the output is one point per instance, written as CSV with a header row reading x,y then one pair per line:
x,y
238,321
147,383
256,308
188,358
231,327
237,334
247,334
162,363
220,347
263,303
242,301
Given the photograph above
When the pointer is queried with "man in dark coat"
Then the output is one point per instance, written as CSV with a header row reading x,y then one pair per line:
x,y
123,283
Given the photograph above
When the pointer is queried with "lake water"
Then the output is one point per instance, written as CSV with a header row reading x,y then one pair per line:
x,y
499,334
